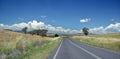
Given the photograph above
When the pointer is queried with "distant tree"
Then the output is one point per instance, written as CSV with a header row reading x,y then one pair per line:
x,y
85,31
42,32
25,30
56,35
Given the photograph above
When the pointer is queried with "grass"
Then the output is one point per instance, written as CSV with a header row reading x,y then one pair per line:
x,y
111,35
23,46
38,53
41,53
110,41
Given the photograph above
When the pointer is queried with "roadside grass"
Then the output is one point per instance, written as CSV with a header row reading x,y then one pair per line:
x,y
23,46
111,43
111,35
39,52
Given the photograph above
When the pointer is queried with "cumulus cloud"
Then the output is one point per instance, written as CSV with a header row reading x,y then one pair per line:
x,y
98,30
84,20
32,25
113,27
108,29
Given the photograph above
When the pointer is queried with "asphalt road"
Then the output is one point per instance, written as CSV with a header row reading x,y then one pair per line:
x,y
69,49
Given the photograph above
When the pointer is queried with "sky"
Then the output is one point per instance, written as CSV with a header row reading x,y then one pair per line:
x,y
61,16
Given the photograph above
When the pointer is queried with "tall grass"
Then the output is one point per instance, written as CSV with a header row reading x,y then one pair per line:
x,y
111,35
12,40
111,43
15,45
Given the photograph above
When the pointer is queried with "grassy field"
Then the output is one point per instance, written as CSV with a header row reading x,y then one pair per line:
x,y
111,35
107,41
25,46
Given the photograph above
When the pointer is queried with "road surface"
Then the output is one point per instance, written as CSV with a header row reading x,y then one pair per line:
x,y
69,49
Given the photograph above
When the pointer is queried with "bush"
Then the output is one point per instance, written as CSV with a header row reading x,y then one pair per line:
x,y
56,35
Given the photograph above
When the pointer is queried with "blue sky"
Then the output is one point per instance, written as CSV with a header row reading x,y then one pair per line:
x,y
63,13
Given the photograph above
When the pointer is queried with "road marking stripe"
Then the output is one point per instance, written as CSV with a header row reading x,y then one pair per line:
x,y
57,50
85,50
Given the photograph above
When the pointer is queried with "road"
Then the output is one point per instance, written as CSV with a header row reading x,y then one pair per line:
x,y
69,49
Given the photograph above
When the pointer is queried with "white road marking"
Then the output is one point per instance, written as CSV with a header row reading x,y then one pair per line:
x,y
85,50
57,50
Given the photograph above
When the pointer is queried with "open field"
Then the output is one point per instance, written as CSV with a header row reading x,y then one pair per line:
x,y
107,41
25,46
111,35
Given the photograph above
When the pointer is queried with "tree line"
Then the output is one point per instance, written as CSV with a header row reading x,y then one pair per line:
x,y
43,32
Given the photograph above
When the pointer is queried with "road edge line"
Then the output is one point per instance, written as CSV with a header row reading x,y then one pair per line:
x,y
85,50
58,50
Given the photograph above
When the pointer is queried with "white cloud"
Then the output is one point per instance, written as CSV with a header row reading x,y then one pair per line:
x,y
41,25
38,25
43,16
113,27
97,30
84,20
108,29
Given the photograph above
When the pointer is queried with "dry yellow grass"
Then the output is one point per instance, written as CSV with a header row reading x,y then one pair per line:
x,y
111,35
11,41
103,42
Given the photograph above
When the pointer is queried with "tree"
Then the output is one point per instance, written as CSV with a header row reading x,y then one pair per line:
x,y
42,32
85,31
56,35
24,30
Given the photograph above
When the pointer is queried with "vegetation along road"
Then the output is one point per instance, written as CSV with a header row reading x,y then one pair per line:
x,y
70,49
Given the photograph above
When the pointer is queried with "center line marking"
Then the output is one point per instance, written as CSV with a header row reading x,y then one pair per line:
x,y
85,50
58,50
